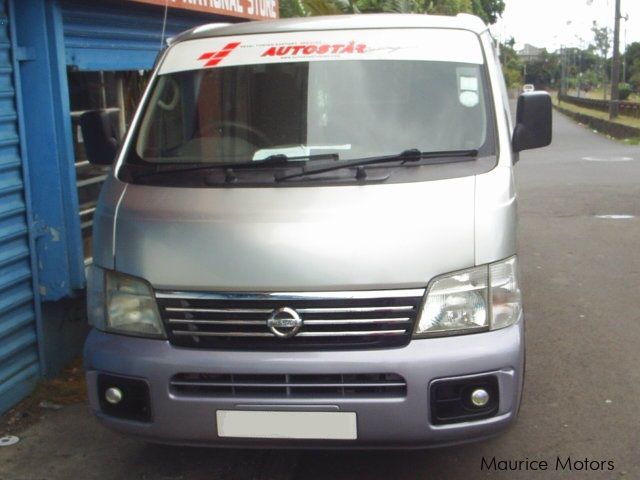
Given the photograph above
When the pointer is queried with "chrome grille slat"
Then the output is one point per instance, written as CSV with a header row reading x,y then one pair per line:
x,y
222,334
219,310
337,321
216,322
400,308
330,320
355,321
351,333
193,333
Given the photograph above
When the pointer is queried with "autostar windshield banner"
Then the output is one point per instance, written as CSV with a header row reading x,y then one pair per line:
x,y
385,44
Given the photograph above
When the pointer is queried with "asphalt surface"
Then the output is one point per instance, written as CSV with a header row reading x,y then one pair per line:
x,y
582,394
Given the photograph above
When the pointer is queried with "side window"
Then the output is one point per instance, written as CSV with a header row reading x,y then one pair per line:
x,y
118,93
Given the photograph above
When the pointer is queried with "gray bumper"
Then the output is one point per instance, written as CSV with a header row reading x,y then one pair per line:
x,y
381,422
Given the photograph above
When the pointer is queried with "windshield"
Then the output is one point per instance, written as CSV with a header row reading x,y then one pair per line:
x,y
301,100
353,108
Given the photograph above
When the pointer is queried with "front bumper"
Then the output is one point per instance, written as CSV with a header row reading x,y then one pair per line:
x,y
381,422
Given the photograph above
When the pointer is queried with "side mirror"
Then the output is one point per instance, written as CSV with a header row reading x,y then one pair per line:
x,y
100,137
533,121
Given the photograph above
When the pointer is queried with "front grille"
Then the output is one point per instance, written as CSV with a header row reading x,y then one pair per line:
x,y
330,320
289,386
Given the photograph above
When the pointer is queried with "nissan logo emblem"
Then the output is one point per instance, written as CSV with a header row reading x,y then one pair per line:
x,y
284,322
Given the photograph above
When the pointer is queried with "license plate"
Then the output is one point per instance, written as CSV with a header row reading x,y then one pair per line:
x,y
294,425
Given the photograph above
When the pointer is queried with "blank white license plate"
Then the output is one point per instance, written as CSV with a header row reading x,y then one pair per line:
x,y
298,425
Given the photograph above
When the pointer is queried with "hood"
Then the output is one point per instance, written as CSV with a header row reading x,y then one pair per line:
x,y
295,239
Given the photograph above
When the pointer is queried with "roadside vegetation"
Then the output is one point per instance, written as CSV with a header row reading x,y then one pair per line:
x,y
583,71
622,120
569,108
488,10
579,71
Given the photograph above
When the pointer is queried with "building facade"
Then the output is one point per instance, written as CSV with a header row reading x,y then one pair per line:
x,y
58,59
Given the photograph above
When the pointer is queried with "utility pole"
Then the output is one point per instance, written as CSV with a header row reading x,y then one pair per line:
x,y
624,55
562,71
624,49
615,67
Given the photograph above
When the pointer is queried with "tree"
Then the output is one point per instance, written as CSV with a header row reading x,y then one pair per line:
x,y
291,8
511,64
488,10
632,60
448,7
602,43
391,6
545,71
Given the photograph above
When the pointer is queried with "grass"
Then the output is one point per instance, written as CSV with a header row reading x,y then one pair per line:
x,y
597,94
622,120
627,121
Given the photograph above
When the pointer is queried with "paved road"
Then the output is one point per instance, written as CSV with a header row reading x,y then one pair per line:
x,y
582,394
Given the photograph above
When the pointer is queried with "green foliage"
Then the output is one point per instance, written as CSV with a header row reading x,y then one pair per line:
x,y
632,59
589,79
602,44
602,39
291,8
488,10
634,81
512,66
545,71
390,6
448,7
624,90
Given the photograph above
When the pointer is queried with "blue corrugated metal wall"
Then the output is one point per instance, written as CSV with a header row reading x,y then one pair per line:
x,y
19,367
117,36
52,34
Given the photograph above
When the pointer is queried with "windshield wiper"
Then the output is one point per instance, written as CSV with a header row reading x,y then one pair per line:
x,y
277,160
411,155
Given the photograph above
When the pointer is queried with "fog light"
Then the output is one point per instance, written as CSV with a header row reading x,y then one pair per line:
x,y
113,395
479,397
464,399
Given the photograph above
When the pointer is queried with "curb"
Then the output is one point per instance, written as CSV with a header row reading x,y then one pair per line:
x,y
615,130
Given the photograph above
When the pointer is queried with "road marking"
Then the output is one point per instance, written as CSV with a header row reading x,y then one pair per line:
x,y
608,159
615,217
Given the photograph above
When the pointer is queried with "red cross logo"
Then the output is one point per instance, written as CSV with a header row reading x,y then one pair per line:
x,y
214,58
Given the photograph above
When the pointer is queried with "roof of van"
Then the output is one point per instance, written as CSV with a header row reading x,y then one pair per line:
x,y
335,22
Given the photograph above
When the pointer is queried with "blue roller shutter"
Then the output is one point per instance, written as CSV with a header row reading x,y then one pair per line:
x,y
19,364
120,36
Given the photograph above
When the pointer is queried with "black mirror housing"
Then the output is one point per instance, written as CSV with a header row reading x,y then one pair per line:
x,y
100,138
533,121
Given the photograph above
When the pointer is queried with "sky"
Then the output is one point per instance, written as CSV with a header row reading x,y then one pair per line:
x,y
552,23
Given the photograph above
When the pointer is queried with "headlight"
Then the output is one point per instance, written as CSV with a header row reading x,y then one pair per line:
x,y
474,300
122,304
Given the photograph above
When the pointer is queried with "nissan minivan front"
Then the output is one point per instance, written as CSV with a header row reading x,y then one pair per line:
x,y
308,239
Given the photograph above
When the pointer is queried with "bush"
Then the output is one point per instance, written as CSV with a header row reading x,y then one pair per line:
x,y
635,82
624,90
